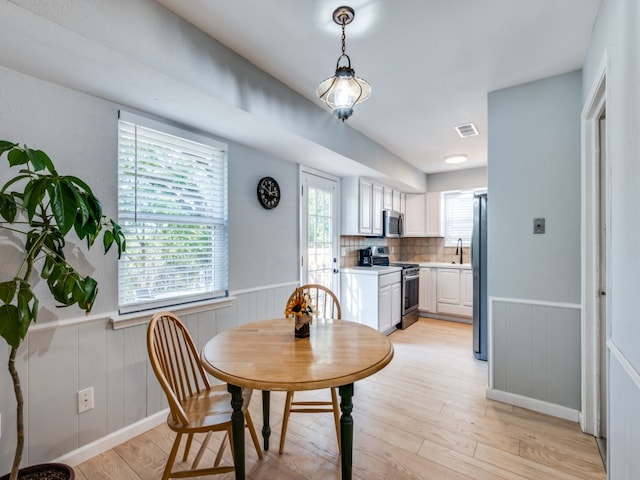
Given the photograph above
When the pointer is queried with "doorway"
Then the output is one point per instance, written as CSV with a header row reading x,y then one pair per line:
x,y
319,229
595,258
603,332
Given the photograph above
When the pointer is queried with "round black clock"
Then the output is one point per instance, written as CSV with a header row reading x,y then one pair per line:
x,y
268,192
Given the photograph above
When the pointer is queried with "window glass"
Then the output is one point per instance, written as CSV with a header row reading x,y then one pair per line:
x,y
458,213
172,207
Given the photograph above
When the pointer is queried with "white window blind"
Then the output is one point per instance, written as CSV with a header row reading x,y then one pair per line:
x,y
172,207
458,212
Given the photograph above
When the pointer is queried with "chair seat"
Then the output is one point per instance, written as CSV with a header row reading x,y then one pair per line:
x,y
204,410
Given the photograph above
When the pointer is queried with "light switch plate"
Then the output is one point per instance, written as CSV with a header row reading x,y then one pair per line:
x,y
538,225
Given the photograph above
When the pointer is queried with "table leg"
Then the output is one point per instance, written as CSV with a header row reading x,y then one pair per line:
x,y
266,429
346,430
237,429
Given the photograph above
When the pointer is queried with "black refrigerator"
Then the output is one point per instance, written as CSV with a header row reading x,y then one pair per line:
x,y
479,268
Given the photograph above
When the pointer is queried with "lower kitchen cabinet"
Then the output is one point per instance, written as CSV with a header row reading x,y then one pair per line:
x,y
455,292
427,295
372,296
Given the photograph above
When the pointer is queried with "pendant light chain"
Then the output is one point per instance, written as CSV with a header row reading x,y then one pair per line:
x,y
344,36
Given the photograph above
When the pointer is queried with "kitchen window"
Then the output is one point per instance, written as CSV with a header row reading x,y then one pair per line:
x,y
172,207
458,217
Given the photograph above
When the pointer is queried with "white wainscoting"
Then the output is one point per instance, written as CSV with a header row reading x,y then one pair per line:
x,y
60,358
534,355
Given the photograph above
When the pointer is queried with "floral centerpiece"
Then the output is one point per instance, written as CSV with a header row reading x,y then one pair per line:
x,y
300,309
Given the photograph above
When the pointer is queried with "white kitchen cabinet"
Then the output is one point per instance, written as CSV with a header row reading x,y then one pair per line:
x,y
396,305
377,192
453,292
434,218
414,218
397,200
427,299
387,203
362,202
372,296
466,283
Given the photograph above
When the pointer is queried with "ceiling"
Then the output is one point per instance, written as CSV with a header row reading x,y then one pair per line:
x,y
431,63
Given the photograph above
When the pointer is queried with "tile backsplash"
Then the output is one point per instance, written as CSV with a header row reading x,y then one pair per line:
x,y
401,250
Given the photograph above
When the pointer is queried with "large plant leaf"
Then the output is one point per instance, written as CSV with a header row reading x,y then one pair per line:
x,y
89,223
85,293
17,156
113,234
64,204
8,291
5,146
8,207
34,193
40,160
18,308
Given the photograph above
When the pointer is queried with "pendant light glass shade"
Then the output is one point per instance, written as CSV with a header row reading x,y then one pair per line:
x,y
342,91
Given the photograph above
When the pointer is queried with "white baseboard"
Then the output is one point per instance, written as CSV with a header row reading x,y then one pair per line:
x,y
114,439
534,404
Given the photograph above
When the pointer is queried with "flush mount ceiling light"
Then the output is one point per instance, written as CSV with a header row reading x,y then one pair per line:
x,y
342,91
453,159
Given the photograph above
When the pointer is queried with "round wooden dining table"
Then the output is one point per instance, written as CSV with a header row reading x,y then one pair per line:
x,y
265,355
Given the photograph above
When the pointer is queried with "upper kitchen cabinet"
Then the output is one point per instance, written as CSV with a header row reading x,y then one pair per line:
x,y
363,201
393,200
414,217
423,215
434,220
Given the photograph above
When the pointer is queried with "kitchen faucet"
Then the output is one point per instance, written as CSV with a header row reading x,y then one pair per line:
x,y
459,249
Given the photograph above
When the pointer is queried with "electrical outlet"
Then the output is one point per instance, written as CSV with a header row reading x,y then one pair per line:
x,y
85,400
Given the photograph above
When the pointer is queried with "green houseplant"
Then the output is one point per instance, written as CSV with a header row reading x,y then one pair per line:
x,y
44,207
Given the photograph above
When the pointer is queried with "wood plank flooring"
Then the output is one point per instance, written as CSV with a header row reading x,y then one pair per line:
x,y
424,416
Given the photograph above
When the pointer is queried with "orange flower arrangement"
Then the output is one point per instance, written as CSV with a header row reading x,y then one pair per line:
x,y
300,309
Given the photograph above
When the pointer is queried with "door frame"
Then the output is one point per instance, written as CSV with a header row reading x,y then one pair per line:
x,y
305,170
595,105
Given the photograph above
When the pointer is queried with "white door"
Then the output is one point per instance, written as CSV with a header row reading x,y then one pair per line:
x,y
319,229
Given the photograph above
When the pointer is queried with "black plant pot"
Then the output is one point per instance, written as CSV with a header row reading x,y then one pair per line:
x,y
45,471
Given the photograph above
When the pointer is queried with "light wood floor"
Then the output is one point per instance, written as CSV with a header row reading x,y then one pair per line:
x,y
424,416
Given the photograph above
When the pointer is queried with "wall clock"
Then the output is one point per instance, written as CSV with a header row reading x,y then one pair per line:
x,y
268,192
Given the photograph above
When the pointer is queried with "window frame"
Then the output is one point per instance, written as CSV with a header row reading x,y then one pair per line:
x,y
216,268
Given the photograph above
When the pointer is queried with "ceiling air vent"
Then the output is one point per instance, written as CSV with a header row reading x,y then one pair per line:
x,y
466,130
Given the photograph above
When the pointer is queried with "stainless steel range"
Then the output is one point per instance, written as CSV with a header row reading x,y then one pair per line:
x,y
410,292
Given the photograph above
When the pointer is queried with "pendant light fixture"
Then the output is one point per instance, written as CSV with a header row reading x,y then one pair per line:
x,y
342,91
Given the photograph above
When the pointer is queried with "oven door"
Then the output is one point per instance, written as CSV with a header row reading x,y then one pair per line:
x,y
410,292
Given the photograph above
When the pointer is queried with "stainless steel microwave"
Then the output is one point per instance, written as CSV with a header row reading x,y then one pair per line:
x,y
393,224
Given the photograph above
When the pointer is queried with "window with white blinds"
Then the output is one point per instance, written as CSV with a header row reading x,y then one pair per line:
x,y
458,212
172,207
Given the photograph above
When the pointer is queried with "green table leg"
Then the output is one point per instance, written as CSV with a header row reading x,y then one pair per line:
x,y
266,429
346,430
237,429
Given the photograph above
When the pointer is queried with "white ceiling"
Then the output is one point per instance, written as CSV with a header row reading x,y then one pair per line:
x,y
431,63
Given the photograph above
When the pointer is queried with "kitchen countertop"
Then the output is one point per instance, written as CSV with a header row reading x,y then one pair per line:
x,y
464,266
375,270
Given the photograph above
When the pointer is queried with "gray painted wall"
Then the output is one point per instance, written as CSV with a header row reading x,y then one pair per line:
x,y
616,32
469,178
534,171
